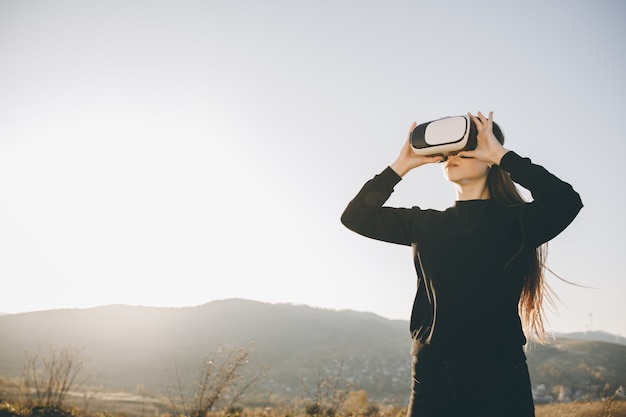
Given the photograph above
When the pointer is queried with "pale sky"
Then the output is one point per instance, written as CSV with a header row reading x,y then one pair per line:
x,y
173,153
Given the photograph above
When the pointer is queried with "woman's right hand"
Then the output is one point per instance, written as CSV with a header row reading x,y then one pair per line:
x,y
408,160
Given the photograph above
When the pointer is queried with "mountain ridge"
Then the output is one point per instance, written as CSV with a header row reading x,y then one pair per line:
x,y
595,335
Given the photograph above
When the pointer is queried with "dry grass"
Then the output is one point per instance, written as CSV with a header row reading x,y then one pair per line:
x,y
610,408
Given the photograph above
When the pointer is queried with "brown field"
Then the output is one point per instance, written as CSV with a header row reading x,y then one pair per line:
x,y
124,408
608,408
132,405
137,408
577,409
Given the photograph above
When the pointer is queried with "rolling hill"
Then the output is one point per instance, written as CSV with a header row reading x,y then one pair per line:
x,y
128,346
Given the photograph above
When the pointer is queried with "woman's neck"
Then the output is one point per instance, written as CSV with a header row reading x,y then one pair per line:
x,y
473,190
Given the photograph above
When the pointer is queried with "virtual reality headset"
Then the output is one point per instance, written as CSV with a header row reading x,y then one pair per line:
x,y
443,136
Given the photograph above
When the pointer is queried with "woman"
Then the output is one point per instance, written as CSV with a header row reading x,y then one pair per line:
x,y
479,268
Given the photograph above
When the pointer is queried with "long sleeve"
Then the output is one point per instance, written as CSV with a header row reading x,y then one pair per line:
x,y
367,216
555,203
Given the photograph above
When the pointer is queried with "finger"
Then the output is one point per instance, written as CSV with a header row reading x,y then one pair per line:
x,y
408,135
476,121
480,121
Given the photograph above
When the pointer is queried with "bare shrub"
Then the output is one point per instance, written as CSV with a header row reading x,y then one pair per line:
x,y
46,380
327,392
221,380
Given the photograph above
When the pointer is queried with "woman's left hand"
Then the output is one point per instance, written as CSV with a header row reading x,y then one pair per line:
x,y
488,148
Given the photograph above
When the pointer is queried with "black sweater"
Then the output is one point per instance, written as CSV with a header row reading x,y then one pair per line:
x,y
471,259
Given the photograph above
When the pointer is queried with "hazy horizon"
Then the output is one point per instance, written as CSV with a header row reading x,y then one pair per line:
x,y
550,331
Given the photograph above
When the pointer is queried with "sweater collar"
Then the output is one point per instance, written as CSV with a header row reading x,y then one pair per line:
x,y
473,204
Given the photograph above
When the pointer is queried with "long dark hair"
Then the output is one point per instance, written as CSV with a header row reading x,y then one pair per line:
x,y
535,290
